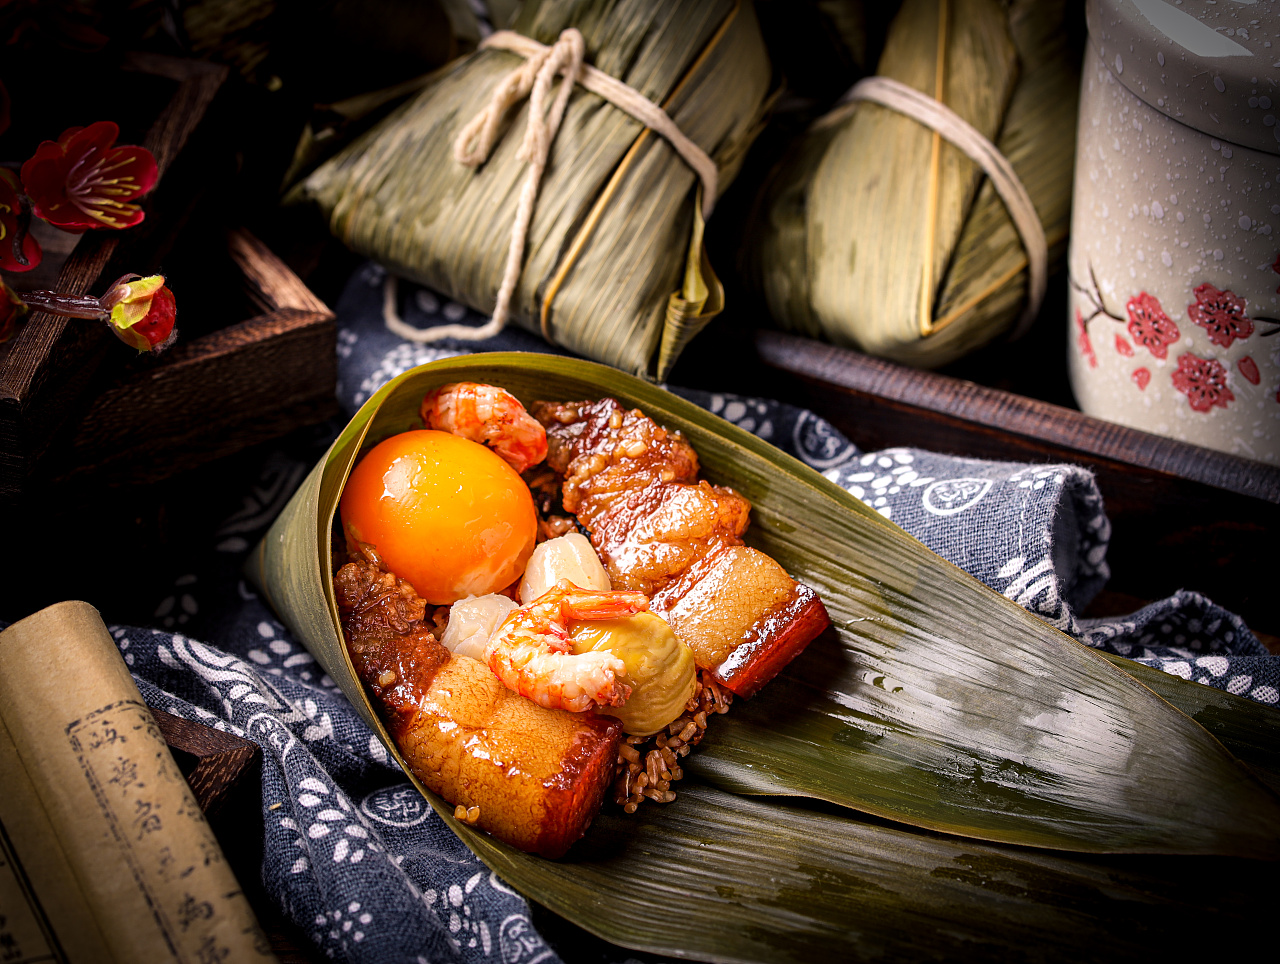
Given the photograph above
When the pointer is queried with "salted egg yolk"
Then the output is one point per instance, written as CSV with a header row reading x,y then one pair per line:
x,y
445,513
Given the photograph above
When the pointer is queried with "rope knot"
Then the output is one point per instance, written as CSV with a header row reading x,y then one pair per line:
x,y
532,79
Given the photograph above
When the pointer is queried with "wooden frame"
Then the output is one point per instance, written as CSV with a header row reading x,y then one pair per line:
x,y
51,363
1182,516
223,760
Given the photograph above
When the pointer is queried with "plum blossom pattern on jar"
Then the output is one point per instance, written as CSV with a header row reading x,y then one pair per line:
x,y
1221,313
1174,226
1082,338
1203,381
1150,326
1249,369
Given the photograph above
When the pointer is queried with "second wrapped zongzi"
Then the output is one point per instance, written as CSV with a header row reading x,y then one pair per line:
x,y
878,233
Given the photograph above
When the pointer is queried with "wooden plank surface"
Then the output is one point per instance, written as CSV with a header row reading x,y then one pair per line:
x,y
221,760
1018,421
213,395
243,384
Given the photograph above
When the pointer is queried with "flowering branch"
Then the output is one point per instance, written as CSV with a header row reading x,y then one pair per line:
x,y
141,311
1095,298
68,306
82,181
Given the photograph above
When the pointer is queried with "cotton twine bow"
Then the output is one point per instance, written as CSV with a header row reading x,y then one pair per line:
x,y
533,79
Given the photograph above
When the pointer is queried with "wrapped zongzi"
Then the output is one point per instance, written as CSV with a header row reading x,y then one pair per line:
x,y
612,264
877,232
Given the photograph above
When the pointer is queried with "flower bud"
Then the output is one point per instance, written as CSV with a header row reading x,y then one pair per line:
x,y
142,310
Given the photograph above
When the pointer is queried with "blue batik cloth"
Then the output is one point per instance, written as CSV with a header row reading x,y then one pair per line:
x,y
354,855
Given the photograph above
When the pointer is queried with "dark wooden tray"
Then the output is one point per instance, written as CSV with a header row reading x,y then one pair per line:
x,y
1182,516
215,394
49,367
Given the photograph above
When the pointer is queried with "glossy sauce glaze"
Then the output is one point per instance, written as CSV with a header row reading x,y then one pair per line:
x,y
657,528
537,776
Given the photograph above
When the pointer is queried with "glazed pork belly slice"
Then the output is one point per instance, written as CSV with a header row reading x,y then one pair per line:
x,y
742,615
634,487
538,776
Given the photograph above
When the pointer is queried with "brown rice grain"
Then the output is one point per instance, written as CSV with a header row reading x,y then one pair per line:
x,y
651,765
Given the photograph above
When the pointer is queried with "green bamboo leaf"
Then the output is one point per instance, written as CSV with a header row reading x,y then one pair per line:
x,y
1249,730
933,702
719,877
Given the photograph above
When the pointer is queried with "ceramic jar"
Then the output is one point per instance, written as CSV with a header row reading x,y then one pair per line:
x,y
1175,234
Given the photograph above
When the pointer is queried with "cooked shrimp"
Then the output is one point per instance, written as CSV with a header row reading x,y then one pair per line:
x,y
490,416
530,651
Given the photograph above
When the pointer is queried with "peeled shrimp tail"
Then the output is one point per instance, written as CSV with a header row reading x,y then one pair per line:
x,y
488,415
562,680
529,653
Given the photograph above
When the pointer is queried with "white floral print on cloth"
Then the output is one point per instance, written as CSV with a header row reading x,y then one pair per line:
x,y
352,853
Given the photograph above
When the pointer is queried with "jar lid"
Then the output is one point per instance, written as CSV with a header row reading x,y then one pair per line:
x,y
1211,64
